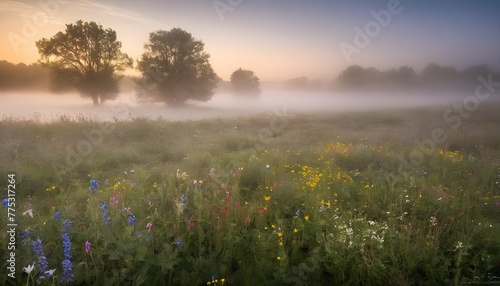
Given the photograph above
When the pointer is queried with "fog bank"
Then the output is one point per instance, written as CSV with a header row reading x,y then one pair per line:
x,y
46,107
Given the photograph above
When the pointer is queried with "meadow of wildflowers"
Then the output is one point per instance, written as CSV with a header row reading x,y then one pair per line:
x,y
288,214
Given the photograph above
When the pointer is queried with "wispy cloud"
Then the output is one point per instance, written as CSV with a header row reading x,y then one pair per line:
x,y
28,10
116,12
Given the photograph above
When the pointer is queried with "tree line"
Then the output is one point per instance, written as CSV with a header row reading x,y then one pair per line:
x,y
433,77
22,76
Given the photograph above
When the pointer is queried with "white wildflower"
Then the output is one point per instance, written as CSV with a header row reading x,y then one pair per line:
x,y
28,212
29,268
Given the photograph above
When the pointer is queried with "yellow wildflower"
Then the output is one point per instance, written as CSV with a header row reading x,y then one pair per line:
x,y
295,230
267,198
306,217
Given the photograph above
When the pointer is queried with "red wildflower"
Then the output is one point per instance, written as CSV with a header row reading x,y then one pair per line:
x,y
192,225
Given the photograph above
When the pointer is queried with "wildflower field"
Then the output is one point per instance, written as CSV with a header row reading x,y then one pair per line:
x,y
324,200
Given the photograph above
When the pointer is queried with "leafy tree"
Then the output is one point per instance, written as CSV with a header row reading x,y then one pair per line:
x,y
177,68
434,75
245,81
403,77
357,76
85,57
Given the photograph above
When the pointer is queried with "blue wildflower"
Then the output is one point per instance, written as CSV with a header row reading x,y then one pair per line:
x,y
93,186
66,246
179,242
5,202
42,260
104,213
25,235
184,200
57,216
137,233
65,225
68,275
297,212
50,272
131,219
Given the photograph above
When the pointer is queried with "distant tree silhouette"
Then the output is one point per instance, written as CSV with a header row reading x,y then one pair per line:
x,y
469,76
22,76
436,76
358,77
85,57
177,67
432,78
402,77
298,83
245,82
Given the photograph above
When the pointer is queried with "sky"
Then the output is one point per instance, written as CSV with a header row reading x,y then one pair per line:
x,y
277,39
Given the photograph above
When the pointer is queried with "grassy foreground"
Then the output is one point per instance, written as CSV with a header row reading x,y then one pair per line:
x,y
278,199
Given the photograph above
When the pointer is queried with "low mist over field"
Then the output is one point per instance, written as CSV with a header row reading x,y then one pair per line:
x,y
46,107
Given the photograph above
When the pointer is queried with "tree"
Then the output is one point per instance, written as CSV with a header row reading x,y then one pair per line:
x,y
358,77
298,83
85,57
436,76
22,76
177,68
245,81
403,77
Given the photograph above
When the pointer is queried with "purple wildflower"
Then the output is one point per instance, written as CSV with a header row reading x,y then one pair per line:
x,y
65,225
131,219
57,216
93,186
68,275
104,213
42,260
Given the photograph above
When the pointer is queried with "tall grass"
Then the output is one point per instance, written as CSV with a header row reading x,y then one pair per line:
x,y
187,205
